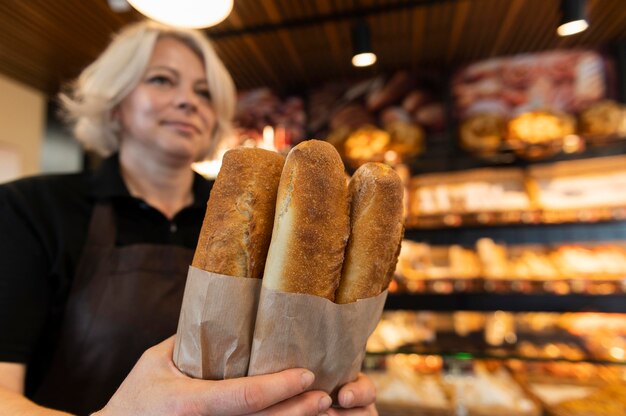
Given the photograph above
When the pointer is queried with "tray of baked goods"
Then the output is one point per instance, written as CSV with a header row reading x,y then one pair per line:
x,y
578,191
573,389
538,337
542,133
412,384
490,267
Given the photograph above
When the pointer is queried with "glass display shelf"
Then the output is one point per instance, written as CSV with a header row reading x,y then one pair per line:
x,y
555,286
485,355
513,302
517,217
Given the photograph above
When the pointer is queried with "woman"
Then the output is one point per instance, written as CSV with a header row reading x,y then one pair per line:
x,y
94,264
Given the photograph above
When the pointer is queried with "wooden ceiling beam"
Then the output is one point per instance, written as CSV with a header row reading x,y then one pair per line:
x,y
458,29
275,17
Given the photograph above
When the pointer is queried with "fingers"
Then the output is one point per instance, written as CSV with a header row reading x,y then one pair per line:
x,y
360,411
310,403
164,348
359,393
161,355
253,394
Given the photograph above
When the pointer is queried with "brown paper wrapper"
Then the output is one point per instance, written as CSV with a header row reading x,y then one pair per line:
x,y
216,325
299,330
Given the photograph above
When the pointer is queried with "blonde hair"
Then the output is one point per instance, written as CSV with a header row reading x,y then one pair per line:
x,y
116,72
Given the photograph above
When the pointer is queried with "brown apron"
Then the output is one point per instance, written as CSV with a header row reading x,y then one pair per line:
x,y
123,300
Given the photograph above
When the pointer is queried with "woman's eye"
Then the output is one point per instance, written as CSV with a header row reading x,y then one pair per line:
x,y
159,80
206,94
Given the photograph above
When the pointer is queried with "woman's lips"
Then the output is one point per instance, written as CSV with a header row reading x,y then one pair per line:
x,y
182,127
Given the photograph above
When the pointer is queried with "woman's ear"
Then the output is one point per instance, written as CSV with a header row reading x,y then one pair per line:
x,y
115,119
114,114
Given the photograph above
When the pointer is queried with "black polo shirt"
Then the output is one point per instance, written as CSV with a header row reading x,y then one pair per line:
x,y
43,226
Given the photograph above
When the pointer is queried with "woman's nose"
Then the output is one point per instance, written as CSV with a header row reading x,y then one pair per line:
x,y
186,99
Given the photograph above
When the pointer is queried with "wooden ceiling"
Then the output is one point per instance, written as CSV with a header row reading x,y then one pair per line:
x,y
292,44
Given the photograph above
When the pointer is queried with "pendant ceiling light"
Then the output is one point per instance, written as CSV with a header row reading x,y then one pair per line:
x,y
362,45
572,17
185,13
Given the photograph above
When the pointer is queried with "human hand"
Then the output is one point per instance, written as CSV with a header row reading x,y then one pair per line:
x,y
156,387
356,399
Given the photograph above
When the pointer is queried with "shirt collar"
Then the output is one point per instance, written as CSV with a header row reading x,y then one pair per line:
x,y
108,183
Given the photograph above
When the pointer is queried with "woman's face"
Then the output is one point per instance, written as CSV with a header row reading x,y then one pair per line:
x,y
169,111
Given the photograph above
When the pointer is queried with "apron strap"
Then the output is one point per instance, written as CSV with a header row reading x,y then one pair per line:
x,y
101,231
123,300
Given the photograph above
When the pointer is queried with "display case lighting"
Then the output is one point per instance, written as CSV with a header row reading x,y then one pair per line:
x,y
194,14
572,17
362,54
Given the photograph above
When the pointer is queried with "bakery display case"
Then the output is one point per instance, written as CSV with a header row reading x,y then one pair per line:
x,y
583,268
509,296
497,363
576,191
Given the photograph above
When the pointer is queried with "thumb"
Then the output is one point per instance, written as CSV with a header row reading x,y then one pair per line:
x,y
251,394
166,346
161,353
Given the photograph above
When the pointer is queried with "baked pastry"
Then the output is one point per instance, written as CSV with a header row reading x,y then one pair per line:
x,y
237,226
604,118
540,127
395,88
376,228
311,223
367,144
539,134
407,139
483,134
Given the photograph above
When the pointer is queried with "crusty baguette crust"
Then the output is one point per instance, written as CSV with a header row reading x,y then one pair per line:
x,y
376,222
237,226
311,224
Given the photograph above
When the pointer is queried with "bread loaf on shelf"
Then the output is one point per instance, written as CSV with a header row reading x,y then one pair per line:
x,y
237,226
376,222
311,223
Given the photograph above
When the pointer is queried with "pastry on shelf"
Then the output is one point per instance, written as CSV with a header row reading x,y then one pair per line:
x,y
489,392
366,144
612,257
556,350
573,389
539,134
604,335
607,400
414,260
494,258
593,324
578,261
469,192
606,346
604,118
533,264
351,116
464,263
402,390
586,185
406,139
482,134
555,383
398,329
576,389
540,126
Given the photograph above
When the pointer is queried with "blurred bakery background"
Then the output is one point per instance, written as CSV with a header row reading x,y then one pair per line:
x,y
510,292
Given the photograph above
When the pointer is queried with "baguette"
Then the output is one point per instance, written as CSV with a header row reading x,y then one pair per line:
x,y
311,223
376,222
237,226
